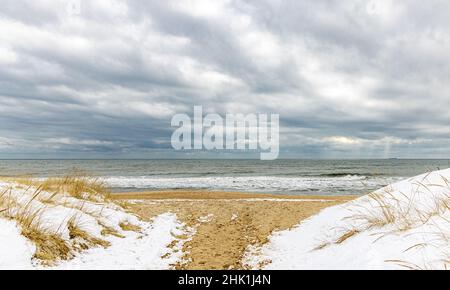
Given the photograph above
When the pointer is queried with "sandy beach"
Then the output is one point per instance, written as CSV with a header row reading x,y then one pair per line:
x,y
226,223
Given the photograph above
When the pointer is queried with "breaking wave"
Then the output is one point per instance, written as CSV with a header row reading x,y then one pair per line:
x,y
347,184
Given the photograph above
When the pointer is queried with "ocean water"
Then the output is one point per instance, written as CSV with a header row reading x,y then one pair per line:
x,y
327,177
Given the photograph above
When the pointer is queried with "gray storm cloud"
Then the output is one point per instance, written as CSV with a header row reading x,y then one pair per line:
x,y
85,78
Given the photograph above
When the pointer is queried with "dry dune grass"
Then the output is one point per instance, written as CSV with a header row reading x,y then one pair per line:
x,y
82,239
129,227
406,212
403,212
50,246
77,184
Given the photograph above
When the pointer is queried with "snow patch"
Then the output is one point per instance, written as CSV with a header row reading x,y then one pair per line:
x,y
15,250
206,219
402,226
142,251
58,214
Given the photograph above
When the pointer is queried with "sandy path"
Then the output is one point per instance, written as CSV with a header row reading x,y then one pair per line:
x,y
226,223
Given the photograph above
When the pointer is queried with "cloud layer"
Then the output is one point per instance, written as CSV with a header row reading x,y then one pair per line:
x,y
103,78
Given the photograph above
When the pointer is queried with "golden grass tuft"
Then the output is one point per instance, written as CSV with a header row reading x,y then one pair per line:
x,y
347,236
83,240
108,231
50,245
129,227
385,209
76,184
403,214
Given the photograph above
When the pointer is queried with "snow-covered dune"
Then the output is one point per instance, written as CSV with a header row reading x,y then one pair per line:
x,y
91,234
402,226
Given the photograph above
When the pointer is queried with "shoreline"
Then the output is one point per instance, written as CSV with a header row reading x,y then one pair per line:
x,y
221,195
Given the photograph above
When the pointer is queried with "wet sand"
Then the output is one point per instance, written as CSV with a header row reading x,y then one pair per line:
x,y
226,223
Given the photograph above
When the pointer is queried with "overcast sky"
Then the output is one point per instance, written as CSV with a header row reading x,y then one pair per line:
x,y
353,79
